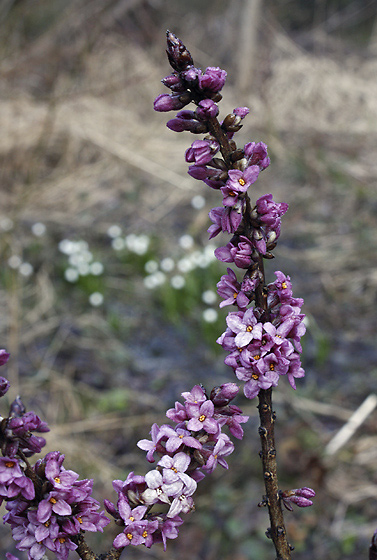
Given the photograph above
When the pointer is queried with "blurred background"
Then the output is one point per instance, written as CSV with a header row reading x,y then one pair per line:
x,y
108,281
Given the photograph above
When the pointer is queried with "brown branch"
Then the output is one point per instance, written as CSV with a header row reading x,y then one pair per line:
x,y
277,530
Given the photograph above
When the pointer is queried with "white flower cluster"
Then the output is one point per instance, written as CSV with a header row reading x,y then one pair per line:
x,y
137,244
81,263
168,270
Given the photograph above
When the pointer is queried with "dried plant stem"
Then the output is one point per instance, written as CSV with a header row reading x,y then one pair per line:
x,y
277,530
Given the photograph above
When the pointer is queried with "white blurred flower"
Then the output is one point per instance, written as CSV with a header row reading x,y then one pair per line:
x,y
137,243
186,241
210,315
6,223
96,299
198,202
38,229
83,269
71,274
167,264
67,247
14,261
96,268
118,243
185,265
209,297
177,282
154,280
151,266
26,269
114,231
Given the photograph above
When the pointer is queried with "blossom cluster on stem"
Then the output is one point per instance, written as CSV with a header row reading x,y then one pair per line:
x,y
186,453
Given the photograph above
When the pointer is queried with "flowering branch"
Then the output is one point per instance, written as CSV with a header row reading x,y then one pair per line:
x,y
263,335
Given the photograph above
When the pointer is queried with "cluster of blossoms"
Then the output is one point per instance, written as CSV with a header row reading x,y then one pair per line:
x,y
263,335
187,452
47,505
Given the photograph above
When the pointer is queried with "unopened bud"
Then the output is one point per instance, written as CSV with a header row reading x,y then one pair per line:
x,y
179,57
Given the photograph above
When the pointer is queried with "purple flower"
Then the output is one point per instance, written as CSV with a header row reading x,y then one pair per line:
x,y
154,445
254,381
4,386
177,438
201,152
196,395
201,417
212,80
9,470
245,326
256,154
60,478
230,290
174,468
224,219
168,529
53,503
223,448
240,181
183,503
133,534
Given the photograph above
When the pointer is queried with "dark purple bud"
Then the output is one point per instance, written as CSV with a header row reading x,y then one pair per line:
x,y
207,109
174,82
165,102
298,496
221,396
179,57
4,357
4,386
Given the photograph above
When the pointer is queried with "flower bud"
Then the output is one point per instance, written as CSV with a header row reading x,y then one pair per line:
x,y
179,57
221,396
4,386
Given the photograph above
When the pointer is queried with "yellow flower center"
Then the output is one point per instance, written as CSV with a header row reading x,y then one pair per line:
x,y
242,182
202,418
57,480
52,501
145,534
255,376
10,464
272,367
62,540
284,285
249,328
129,536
